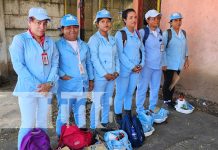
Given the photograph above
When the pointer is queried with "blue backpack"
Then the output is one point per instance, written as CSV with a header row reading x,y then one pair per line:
x,y
146,34
117,139
134,130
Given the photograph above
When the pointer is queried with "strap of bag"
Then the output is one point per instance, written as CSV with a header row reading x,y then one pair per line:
x,y
146,33
169,36
124,37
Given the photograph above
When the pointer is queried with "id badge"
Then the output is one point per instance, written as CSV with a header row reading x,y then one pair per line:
x,y
81,69
45,58
162,47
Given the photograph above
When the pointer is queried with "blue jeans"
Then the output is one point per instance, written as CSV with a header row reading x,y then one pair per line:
x,y
102,98
125,87
34,114
151,77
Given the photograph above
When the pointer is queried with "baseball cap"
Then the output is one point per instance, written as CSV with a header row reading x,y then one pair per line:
x,y
103,14
38,13
175,15
69,20
152,13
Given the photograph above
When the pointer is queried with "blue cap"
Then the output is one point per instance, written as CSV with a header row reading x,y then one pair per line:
x,y
69,20
38,13
103,14
175,15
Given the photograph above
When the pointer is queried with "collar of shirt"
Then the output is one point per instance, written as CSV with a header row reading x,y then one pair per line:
x,y
155,32
74,45
179,35
42,38
130,33
111,40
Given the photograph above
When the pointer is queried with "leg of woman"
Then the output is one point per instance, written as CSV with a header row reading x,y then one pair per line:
x,y
28,106
63,113
172,91
133,81
99,90
79,110
142,87
122,84
154,88
42,113
106,100
168,76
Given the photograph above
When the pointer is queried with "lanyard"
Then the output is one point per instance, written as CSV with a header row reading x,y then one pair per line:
x,y
78,54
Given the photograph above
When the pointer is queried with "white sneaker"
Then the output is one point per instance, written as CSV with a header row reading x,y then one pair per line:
x,y
184,107
148,133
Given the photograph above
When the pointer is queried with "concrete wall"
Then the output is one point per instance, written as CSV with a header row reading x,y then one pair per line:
x,y
200,21
13,15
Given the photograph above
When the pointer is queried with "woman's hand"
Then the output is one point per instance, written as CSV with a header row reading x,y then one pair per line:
x,y
44,88
164,68
109,76
116,74
186,64
65,77
91,85
137,69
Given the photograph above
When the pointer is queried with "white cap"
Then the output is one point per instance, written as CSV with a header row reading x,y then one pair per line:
x,y
152,13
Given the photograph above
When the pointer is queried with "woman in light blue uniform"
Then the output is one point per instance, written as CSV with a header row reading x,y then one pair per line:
x,y
176,55
152,70
76,74
131,56
105,60
35,60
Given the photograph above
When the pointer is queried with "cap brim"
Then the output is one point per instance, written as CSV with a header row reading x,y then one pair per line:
x,y
40,18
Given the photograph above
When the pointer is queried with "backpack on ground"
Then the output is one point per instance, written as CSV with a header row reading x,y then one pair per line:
x,y
74,138
36,139
124,39
134,130
117,139
169,36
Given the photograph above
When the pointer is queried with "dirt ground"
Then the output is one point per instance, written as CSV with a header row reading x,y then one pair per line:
x,y
8,136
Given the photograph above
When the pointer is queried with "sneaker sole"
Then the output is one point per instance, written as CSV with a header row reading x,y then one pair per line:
x,y
149,132
160,120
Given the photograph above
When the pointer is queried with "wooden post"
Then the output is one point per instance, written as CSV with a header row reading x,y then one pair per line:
x,y
138,7
158,5
81,17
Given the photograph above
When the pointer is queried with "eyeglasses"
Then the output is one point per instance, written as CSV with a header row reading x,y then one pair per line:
x,y
154,18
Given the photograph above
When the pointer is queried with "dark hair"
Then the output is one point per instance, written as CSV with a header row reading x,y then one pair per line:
x,y
61,33
145,22
125,13
99,19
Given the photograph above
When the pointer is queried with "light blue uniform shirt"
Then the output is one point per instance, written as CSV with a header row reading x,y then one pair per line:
x,y
129,55
153,55
177,50
69,63
26,57
104,55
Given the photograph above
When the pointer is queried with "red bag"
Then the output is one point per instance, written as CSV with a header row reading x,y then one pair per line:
x,y
74,138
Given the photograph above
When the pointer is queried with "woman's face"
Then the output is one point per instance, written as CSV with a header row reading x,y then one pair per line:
x,y
70,32
131,19
176,23
37,27
154,21
104,25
